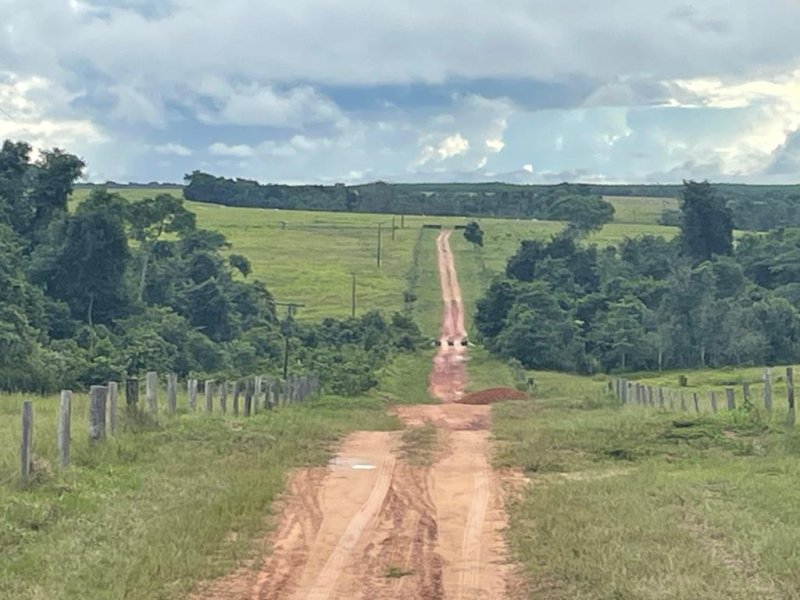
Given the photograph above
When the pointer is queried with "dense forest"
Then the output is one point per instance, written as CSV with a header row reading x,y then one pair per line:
x,y
116,287
650,303
576,204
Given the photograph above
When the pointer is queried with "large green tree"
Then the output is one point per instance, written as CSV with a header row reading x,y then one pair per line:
x,y
706,222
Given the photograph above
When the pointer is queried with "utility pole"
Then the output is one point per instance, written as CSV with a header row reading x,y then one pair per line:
x,y
291,308
353,297
379,245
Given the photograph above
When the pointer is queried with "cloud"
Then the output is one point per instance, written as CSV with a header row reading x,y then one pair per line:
x,y
258,105
327,91
237,150
172,148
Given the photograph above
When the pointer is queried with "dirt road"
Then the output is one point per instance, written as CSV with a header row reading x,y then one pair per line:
x,y
373,527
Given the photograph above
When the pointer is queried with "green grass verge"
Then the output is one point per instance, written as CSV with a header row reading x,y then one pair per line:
x,y
643,503
146,515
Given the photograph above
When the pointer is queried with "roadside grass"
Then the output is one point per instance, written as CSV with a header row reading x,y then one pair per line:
x,y
405,379
642,503
146,515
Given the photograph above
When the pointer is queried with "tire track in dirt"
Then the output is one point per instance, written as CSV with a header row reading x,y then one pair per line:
x,y
361,522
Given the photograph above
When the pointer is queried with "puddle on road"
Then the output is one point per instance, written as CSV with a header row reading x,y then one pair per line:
x,y
359,464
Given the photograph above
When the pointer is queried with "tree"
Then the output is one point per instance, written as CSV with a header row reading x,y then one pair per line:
x,y
151,218
87,262
706,222
474,234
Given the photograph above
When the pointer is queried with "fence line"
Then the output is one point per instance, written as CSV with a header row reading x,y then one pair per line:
x,y
634,392
259,393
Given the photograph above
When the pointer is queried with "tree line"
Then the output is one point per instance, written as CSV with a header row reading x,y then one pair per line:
x,y
650,303
555,203
116,287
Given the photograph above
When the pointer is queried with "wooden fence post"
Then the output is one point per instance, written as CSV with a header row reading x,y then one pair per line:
x,y
661,397
236,393
713,398
223,397
132,393
746,392
26,446
683,400
257,392
209,391
64,426
172,393
696,400
151,391
650,399
275,393
248,397
790,394
113,416
192,393
767,389
267,391
97,413
730,398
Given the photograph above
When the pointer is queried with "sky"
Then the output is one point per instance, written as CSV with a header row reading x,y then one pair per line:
x,y
324,91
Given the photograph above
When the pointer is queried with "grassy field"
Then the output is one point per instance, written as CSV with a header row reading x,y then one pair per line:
x,y
640,209
146,515
309,257
643,503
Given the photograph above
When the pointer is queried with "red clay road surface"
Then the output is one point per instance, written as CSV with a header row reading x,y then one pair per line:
x,y
370,526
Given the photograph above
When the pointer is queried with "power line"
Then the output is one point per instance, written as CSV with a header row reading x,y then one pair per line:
x,y
21,126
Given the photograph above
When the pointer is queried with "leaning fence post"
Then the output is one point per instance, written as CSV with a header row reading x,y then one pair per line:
x,y
767,389
64,424
113,394
97,413
790,393
151,391
713,397
696,400
26,446
209,391
730,398
172,393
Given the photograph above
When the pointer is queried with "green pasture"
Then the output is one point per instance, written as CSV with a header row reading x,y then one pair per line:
x,y
643,503
643,210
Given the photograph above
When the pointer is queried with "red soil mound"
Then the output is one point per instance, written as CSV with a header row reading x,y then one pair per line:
x,y
493,395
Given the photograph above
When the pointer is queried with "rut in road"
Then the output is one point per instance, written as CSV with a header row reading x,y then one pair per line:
x,y
372,527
